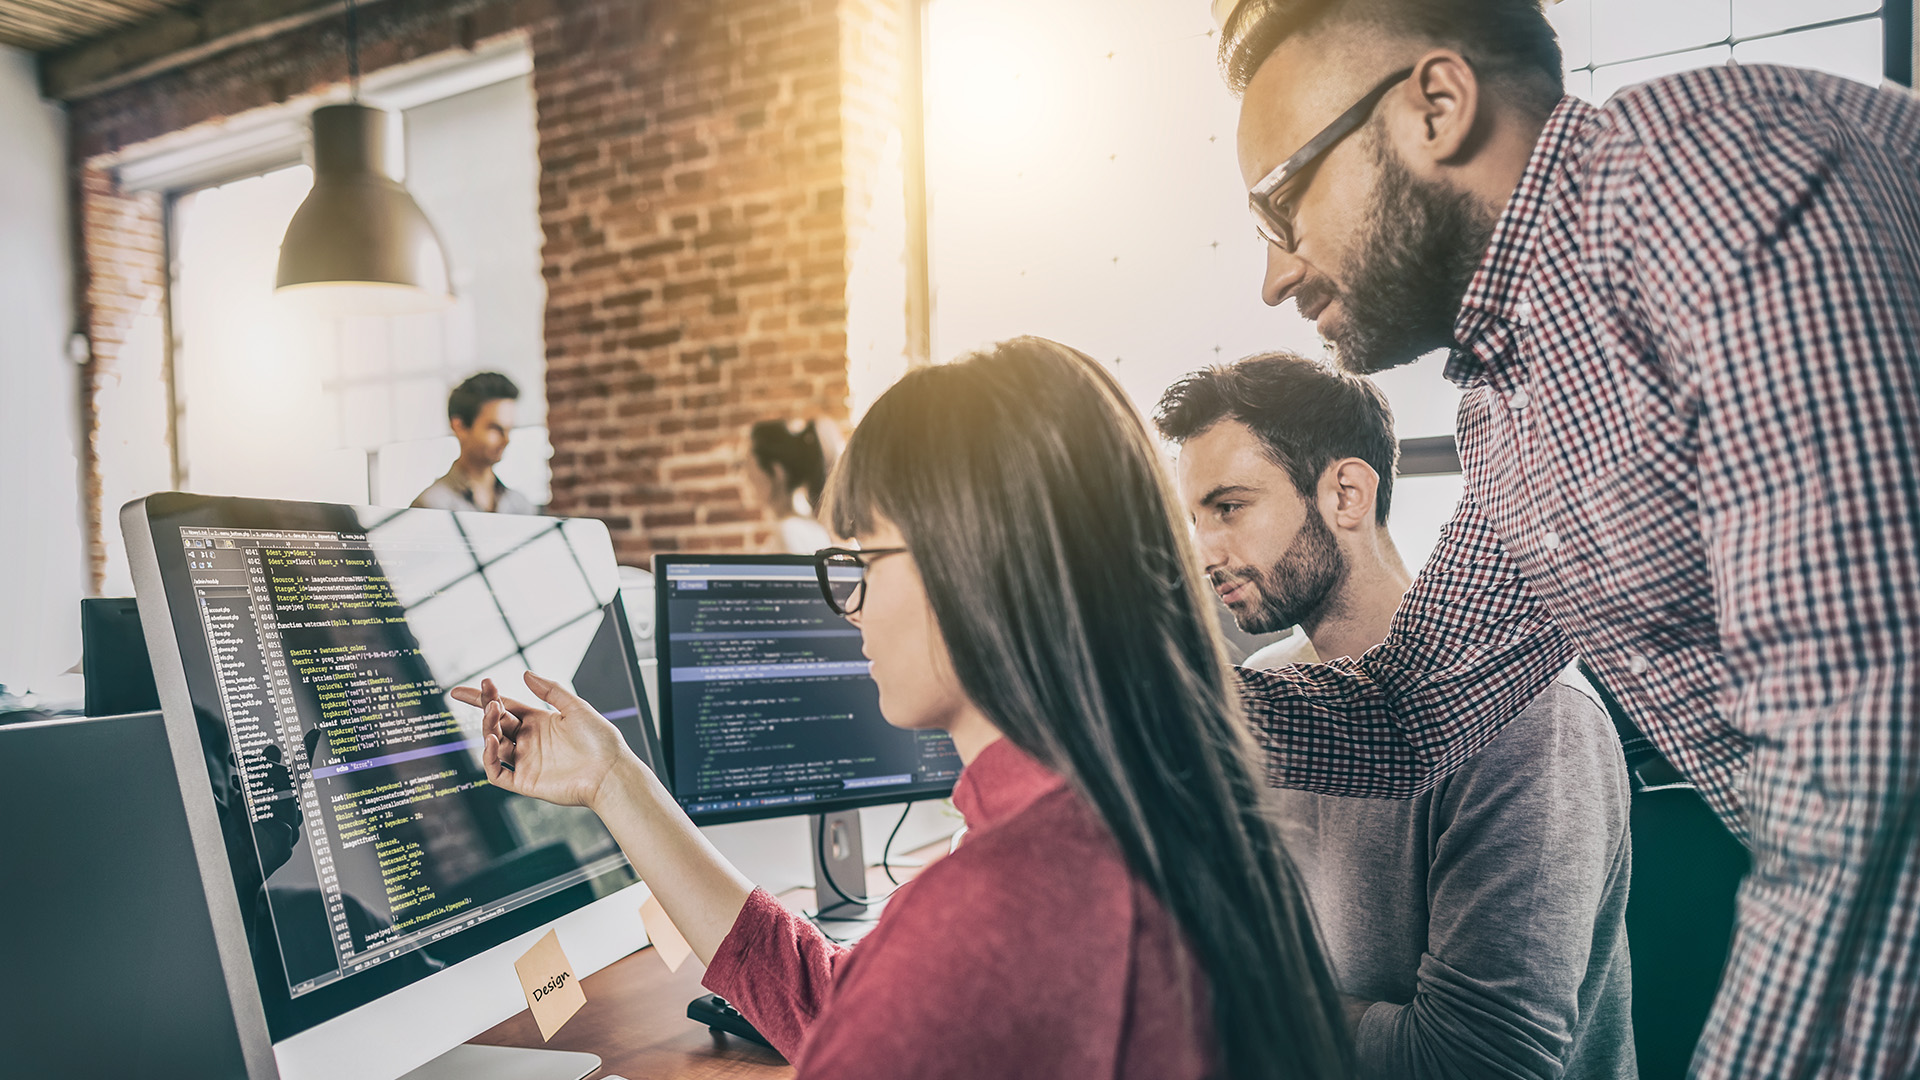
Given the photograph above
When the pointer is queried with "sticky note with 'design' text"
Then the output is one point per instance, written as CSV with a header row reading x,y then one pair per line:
x,y
665,936
553,991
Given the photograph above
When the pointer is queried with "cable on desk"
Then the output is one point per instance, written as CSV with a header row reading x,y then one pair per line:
x,y
886,853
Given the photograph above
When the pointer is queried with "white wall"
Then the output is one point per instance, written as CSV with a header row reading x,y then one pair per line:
x,y
42,559
473,164
1083,186
1083,183
280,403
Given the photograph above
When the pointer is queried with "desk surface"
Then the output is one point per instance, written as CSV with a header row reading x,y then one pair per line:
x,y
635,1017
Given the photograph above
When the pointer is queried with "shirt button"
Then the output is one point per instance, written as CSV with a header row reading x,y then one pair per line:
x,y
1550,540
1636,663
1523,311
1519,399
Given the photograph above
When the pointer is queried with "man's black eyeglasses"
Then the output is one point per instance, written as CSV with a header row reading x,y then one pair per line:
x,y
1271,198
843,575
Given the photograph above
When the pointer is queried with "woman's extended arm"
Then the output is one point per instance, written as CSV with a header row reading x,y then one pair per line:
x,y
571,755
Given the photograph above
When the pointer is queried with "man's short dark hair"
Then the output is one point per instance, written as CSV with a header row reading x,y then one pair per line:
x,y
1509,42
467,399
1306,416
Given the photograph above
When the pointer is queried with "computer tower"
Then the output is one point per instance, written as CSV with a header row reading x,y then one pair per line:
x,y
114,665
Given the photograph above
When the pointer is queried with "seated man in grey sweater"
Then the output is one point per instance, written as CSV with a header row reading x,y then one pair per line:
x,y
1477,930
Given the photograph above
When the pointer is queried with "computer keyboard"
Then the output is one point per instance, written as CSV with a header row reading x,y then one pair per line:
x,y
714,1011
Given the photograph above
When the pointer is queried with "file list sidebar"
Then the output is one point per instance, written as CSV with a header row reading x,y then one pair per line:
x,y
772,700
229,577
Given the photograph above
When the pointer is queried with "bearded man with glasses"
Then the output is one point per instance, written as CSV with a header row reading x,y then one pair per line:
x,y
1687,325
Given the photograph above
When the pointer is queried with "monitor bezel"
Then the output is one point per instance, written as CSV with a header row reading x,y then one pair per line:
x,y
663,655
143,521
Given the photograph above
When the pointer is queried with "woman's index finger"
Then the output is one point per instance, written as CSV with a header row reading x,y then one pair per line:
x,y
554,692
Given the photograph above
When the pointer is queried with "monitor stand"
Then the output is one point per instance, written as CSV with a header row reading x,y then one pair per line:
x,y
470,1061
840,858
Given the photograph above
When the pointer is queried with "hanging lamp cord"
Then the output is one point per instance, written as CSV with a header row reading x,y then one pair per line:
x,y
353,51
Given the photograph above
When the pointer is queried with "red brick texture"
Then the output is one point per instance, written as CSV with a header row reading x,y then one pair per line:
x,y
123,272
694,158
693,197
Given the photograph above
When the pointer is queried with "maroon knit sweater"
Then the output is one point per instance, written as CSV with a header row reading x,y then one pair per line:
x,y
1031,951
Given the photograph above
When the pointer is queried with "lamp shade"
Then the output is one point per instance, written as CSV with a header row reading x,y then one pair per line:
x,y
359,243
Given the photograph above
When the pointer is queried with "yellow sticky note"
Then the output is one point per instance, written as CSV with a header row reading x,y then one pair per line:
x,y
665,936
553,991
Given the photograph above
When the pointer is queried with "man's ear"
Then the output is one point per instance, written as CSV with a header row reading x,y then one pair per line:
x,y
1434,117
1347,492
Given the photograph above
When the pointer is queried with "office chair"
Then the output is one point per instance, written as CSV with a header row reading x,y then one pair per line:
x,y
1687,868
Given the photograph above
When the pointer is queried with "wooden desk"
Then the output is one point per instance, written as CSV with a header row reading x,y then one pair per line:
x,y
635,1017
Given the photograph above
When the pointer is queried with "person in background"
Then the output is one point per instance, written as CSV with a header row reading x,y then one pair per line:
x,y
1687,328
480,412
1123,906
1478,929
787,473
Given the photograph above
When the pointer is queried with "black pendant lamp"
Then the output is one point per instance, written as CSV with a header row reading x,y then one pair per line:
x,y
359,244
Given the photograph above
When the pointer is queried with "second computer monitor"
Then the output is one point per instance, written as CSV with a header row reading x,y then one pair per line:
x,y
767,708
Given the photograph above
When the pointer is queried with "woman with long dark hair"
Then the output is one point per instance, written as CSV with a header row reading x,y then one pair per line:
x,y
787,470
1122,905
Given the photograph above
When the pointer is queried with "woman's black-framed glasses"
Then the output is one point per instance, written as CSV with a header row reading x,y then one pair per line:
x,y
1269,199
843,575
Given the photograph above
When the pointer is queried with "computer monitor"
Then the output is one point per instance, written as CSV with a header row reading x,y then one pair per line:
x,y
369,889
767,705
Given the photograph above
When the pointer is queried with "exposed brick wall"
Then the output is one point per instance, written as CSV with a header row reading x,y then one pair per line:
x,y
123,275
695,256
694,200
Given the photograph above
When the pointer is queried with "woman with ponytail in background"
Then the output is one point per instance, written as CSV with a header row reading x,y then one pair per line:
x,y
1122,905
787,473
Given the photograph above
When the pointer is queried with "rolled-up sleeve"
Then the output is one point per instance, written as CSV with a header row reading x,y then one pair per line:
x,y
1469,648
777,969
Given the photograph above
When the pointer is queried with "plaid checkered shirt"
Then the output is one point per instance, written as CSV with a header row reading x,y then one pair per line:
x,y
1691,441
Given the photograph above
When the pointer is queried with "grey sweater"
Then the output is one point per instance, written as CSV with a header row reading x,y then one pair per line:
x,y
1487,918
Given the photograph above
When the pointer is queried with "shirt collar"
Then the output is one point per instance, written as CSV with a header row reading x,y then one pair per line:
x,y
1495,299
1002,781
458,482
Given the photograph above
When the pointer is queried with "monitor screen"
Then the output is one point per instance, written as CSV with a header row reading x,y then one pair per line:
x,y
318,644
767,707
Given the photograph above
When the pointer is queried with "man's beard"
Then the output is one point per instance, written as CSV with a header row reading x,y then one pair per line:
x,y
1417,254
1298,588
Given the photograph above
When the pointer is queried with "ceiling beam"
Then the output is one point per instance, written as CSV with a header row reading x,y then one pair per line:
x,y
175,39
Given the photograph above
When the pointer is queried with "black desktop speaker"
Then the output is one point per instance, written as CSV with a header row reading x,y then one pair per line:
x,y
113,658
